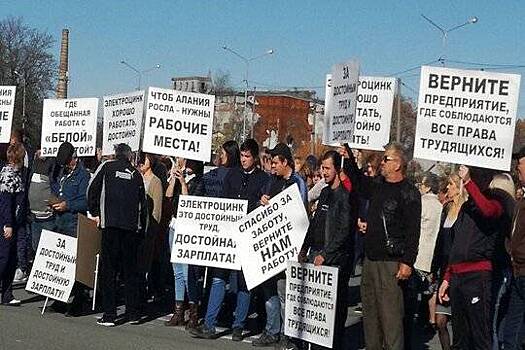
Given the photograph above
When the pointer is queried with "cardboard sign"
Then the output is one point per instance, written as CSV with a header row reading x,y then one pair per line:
x,y
271,235
466,117
53,272
7,108
375,100
179,124
89,238
122,121
341,121
204,232
71,120
311,296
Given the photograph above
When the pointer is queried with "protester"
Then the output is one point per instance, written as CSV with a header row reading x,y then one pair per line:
x,y
117,201
154,197
503,189
23,232
244,182
266,160
421,281
71,197
456,197
186,276
214,179
329,240
391,244
469,273
12,201
41,214
514,321
274,289
67,203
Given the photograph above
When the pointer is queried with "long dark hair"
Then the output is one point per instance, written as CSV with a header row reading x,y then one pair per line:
x,y
234,155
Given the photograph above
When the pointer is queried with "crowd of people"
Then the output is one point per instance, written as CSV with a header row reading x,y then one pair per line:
x,y
441,250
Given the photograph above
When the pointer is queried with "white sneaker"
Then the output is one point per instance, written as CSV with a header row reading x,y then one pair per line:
x,y
20,276
13,302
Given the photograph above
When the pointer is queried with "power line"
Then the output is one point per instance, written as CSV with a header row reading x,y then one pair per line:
x,y
412,68
488,64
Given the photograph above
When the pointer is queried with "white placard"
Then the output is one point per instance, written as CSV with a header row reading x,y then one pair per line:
x,y
71,120
375,100
327,105
341,111
204,233
53,272
179,124
466,117
310,308
122,121
7,108
271,235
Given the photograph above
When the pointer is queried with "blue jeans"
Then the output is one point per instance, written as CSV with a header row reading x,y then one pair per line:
x,y
36,230
512,335
272,304
501,289
186,278
218,287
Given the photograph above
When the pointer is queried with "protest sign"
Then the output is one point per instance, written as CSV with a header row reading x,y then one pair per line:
x,y
179,124
311,296
341,110
466,117
7,107
204,233
89,237
71,120
375,99
122,121
270,236
327,104
53,272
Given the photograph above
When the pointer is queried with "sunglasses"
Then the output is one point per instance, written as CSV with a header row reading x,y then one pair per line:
x,y
388,159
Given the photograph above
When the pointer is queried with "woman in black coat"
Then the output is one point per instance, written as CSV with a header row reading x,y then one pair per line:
x,y
11,207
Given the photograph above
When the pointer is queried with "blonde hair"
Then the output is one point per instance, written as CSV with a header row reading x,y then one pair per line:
x,y
504,182
455,205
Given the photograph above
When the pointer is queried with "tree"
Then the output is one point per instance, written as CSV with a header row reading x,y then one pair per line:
x,y
222,83
25,59
407,124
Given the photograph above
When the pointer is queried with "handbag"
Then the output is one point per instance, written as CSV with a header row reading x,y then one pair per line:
x,y
393,248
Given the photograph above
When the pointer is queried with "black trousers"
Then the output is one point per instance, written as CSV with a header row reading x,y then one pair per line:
x,y
470,298
7,267
120,249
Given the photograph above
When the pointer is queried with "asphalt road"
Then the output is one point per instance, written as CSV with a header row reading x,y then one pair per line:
x,y
23,328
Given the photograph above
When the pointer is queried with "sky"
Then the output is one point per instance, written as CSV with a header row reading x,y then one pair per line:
x,y
186,38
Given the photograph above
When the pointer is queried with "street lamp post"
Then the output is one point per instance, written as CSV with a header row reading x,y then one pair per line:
x,y
444,32
247,68
139,73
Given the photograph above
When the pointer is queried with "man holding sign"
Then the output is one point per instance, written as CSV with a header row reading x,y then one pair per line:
x,y
274,289
329,240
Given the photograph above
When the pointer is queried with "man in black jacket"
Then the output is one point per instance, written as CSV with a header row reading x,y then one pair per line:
x,y
117,200
329,239
244,182
391,245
